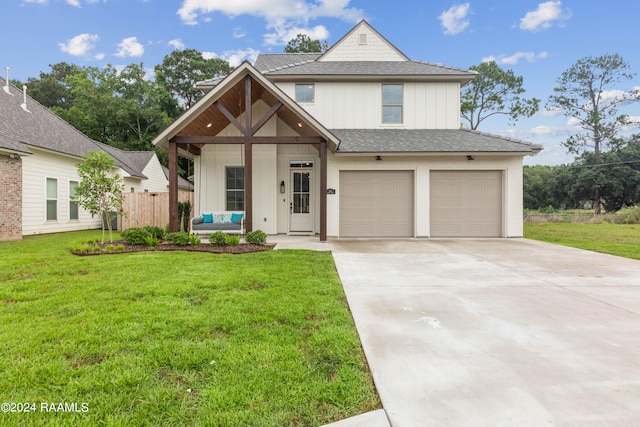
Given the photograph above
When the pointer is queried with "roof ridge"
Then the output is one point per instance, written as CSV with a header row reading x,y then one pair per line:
x,y
449,67
506,138
295,64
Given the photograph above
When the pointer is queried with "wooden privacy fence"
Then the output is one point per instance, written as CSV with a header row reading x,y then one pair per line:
x,y
142,209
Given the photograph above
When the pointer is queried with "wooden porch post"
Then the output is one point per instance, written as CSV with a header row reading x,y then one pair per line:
x,y
173,187
248,185
323,190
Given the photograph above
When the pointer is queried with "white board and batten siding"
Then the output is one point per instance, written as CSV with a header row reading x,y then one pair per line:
x,y
358,105
36,169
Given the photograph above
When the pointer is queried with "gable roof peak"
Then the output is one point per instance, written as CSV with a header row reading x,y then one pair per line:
x,y
363,42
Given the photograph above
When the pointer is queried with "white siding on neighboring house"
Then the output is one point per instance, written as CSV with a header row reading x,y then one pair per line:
x,y
358,105
36,169
157,180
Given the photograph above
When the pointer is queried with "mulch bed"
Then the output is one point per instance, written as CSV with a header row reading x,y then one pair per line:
x,y
243,248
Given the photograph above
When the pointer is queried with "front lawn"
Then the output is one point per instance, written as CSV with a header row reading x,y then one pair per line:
x,y
615,239
176,338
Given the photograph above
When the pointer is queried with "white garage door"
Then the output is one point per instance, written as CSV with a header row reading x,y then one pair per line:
x,y
376,203
466,203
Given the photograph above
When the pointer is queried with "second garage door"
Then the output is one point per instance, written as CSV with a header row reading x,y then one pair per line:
x,y
466,203
376,203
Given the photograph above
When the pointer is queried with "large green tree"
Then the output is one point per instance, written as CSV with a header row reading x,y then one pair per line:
x,y
495,92
302,43
182,69
588,93
52,89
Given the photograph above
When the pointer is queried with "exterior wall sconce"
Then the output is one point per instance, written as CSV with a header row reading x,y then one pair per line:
x,y
378,158
281,187
469,157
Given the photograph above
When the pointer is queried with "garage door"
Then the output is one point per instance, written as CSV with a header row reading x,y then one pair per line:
x,y
376,203
466,203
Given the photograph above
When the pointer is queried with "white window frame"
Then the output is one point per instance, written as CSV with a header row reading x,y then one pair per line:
x,y
388,104
227,189
50,199
299,99
72,203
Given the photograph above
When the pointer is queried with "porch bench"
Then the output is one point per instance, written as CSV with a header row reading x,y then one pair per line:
x,y
218,221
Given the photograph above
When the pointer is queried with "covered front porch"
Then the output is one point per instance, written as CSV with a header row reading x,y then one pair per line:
x,y
246,126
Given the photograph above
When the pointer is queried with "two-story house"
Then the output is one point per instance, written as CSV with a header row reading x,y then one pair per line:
x,y
359,141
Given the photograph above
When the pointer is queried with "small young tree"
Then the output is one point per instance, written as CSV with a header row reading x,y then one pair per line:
x,y
97,192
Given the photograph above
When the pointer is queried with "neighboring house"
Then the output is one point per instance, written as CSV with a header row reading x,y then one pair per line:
x,y
359,141
38,156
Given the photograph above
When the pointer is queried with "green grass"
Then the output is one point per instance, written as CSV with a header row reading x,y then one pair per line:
x,y
177,338
615,239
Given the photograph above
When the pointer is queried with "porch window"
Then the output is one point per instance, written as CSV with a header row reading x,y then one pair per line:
x,y
235,188
392,103
305,93
73,205
52,199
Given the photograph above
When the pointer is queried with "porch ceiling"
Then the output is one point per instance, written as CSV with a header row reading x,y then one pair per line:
x,y
212,121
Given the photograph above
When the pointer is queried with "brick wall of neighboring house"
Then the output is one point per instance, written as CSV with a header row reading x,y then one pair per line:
x,y
10,198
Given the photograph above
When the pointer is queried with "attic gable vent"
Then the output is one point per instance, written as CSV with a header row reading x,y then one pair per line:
x,y
362,39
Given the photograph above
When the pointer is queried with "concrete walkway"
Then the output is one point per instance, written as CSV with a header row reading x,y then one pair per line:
x,y
496,332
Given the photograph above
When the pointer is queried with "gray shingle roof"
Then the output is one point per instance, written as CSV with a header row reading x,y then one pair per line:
x,y
427,141
39,127
272,61
367,68
133,162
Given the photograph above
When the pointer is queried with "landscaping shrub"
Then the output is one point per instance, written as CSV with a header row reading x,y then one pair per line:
x,y
154,231
257,237
194,240
135,236
218,239
232,240
152,241
180,238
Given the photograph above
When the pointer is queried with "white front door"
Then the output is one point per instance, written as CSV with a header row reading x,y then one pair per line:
x,y
301,212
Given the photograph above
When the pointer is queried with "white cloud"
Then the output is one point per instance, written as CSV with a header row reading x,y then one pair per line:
x,y
99,56
79,45
551,112
513,59
37,1
283,35
176,44
544,16
130,47
234,57
282,16
238,33
454,20
75,3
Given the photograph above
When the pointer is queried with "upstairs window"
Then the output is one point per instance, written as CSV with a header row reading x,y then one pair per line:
x,y
392,103
235,188
305,93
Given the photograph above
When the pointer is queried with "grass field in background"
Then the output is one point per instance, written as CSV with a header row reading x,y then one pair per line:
x,y
177,338
615,239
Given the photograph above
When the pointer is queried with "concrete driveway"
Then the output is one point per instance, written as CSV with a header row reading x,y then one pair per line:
x,y
496,332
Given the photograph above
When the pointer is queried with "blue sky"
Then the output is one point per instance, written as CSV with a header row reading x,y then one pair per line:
x,y
536,39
